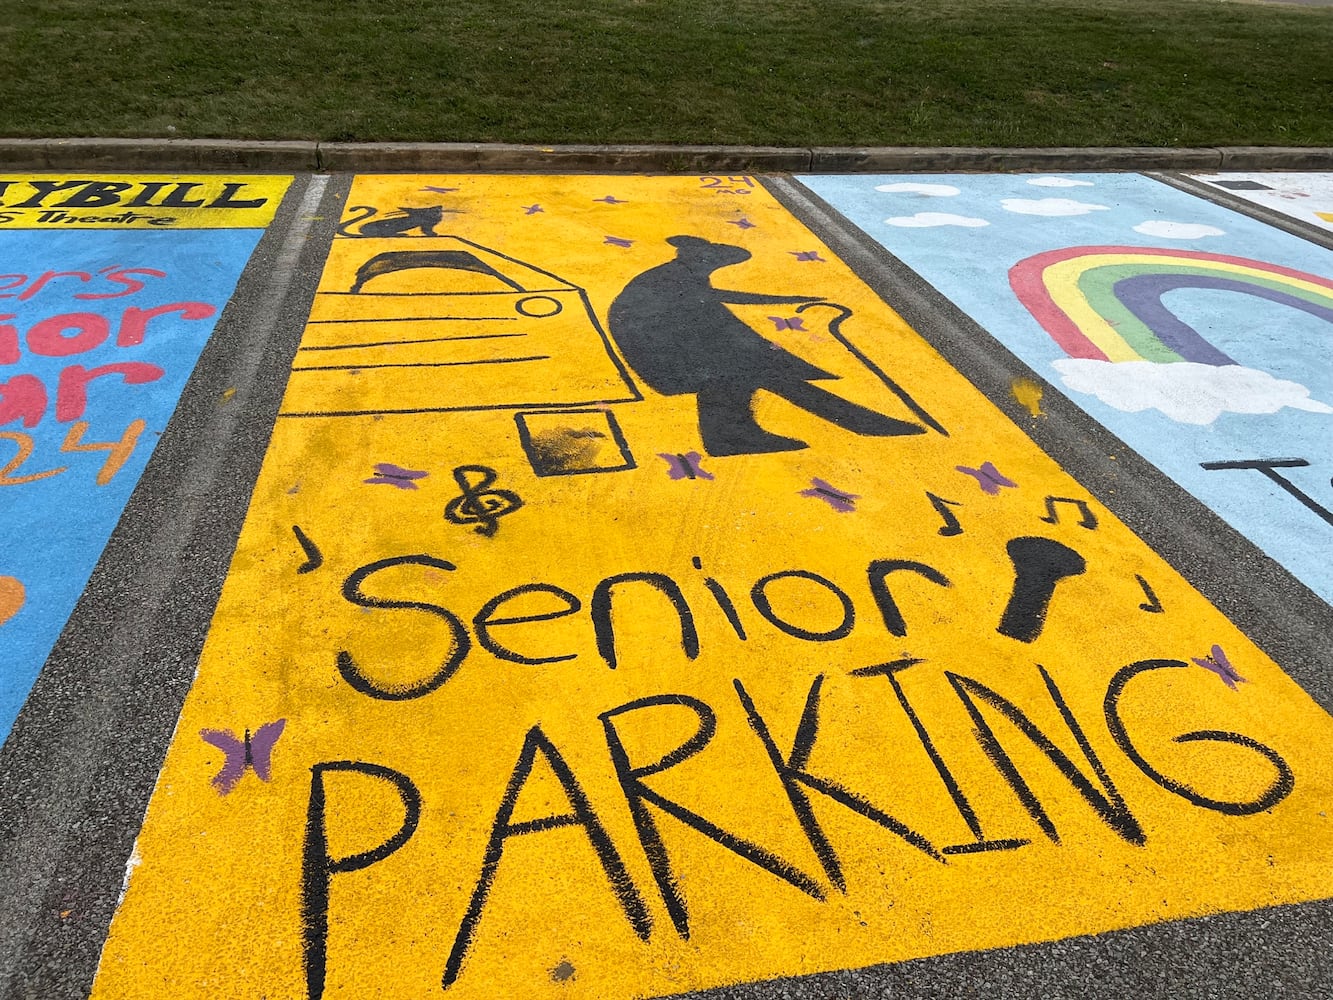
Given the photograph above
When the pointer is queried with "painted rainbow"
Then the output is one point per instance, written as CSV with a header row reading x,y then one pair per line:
x,y
1105,303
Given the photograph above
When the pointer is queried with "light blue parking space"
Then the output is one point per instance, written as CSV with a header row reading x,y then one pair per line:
x,y
102,319
1199,336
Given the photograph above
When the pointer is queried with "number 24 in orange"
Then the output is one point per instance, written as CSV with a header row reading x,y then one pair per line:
x,y
118,453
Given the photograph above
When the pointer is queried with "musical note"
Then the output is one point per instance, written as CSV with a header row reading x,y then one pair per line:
x,y
1152,604
1039,565
1087,519
477,504
313,558
951,525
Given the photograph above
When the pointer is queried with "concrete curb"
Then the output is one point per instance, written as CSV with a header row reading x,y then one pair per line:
x,y
457,157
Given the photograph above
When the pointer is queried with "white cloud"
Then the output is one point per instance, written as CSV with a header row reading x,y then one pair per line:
x,y
926,190
1050,206
1059,182
1177,230
1185,391
923,220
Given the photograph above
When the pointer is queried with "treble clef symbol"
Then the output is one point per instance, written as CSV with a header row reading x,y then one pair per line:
x,y
478,505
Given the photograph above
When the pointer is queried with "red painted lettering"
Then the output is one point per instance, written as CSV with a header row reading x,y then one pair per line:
x,y
22,397
47,337
72,390
49,276
135,320
9,341
120,276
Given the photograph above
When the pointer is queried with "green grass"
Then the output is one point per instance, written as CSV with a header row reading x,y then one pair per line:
x,y
770,72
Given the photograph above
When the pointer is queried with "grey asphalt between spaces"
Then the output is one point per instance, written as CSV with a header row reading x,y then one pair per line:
x,y
84,756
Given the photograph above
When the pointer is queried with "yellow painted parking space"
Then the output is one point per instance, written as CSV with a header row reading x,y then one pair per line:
x,y
630,602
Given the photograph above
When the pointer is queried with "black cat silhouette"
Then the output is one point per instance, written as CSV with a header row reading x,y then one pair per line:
x,y
676,332
424,220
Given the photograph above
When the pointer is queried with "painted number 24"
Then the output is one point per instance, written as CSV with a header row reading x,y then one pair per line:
x,y
728,185
118,453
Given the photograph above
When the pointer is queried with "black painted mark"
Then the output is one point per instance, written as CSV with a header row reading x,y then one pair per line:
x,y
460,641
640,796
986,846
759,598
357,369
478,505
675,330
1039,564
951,524
314,559
1267,467
1283,783
318,867
393,261
581,814
723,600
878,572
405,220
835,331
988,477
1086,519
603,627
484,621
791,770
1106,802
1153,604
573,442
1216,662
980,843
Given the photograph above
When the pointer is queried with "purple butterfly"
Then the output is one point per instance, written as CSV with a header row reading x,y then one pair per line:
x,y
254,752
388,474
989,478
842,502
685,466
1218,663
785,323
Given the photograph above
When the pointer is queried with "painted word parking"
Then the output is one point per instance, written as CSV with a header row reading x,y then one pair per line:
x,y
101,323
631,602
